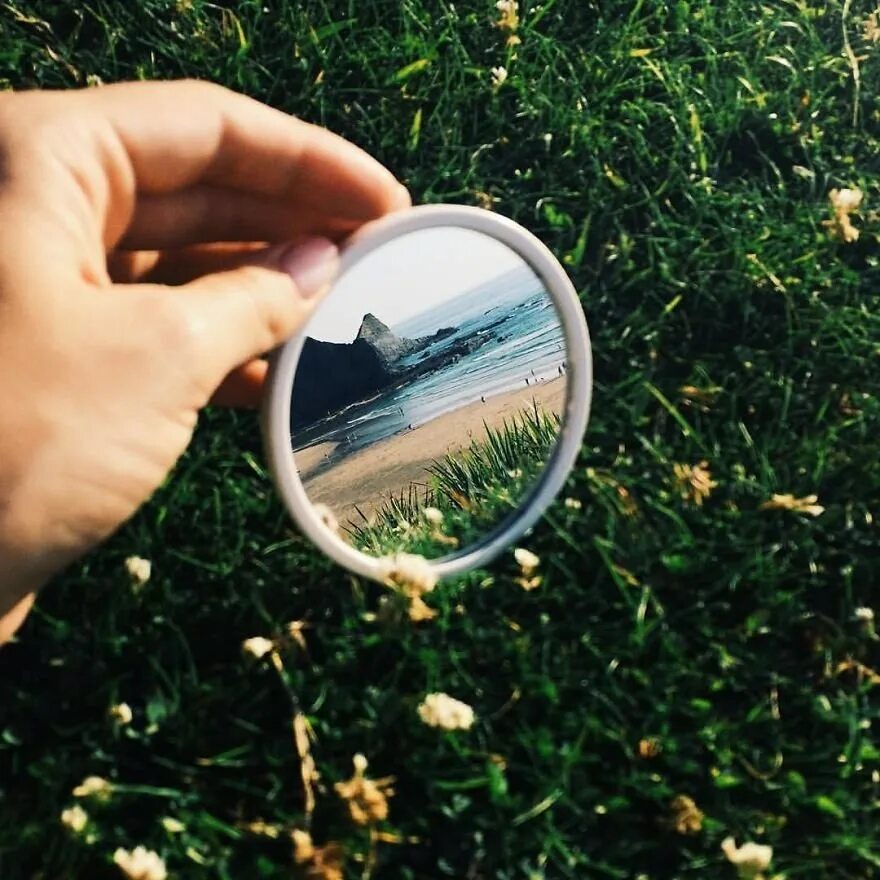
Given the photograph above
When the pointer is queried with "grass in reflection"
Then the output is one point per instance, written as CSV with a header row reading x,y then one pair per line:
x,y
474,490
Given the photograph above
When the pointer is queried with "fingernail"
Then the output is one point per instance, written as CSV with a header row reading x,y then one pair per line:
x,y
312,265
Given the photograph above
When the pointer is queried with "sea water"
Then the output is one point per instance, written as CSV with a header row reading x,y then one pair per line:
x,y
522,345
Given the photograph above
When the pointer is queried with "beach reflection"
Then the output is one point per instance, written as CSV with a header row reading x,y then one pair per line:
x,y
433,375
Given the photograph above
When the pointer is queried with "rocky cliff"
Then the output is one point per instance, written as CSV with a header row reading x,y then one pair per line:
x,y
388,347
333,375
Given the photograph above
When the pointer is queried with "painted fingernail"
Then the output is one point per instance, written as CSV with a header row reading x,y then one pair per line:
x,y
312,264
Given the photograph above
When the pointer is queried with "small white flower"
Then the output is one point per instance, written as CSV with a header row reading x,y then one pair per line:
x,y
93,786
140,864
573,504
750,859
74,818
865,614
173,826
846,199
121,714
445,712
499,75
507,6
410,572
526,560
433,516
257,646
139,570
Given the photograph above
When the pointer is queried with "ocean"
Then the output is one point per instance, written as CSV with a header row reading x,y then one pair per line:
x,y
524,342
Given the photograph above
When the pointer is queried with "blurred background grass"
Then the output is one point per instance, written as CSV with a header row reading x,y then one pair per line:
x,y
677,156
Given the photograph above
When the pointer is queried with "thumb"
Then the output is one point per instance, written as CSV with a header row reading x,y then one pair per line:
x,y
242,313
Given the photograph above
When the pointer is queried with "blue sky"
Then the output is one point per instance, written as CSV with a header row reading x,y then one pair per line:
x,y
409,275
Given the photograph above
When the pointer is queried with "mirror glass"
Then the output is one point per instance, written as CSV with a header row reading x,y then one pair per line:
x,y
429,393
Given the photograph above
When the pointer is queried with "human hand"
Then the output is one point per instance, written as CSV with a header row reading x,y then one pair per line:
x,y
155,240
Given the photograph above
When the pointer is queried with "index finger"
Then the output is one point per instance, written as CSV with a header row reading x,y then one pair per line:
x,y
182,133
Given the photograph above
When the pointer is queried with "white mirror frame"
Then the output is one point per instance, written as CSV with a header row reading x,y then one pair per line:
x,y
579,386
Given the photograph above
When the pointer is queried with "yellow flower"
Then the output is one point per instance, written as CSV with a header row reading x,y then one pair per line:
x,y
140,864
264,829
93,786
257,647
121,714
843,203
695,482
445,712
806,504
367,799
650,747
319,862
139,570
529,583
872,28
419,610
509,19
685,816
750,859
75,818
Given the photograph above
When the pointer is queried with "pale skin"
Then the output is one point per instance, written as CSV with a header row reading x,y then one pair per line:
x,y
156,239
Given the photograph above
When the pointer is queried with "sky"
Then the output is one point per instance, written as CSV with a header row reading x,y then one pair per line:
x,y
409,275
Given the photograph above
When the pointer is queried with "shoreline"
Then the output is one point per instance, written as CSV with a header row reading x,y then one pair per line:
x,y
388,467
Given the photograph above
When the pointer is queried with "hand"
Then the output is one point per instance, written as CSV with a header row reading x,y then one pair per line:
x,y
155,240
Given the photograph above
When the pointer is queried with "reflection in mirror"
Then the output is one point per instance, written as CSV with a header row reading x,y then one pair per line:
x,y
429,393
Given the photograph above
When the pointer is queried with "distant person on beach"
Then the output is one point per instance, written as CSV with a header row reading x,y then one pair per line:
x,y
156,240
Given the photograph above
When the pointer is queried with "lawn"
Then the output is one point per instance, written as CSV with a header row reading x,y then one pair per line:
x,y
684,642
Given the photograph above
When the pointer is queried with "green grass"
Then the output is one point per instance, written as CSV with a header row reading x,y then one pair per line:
x,y
677,157
475,490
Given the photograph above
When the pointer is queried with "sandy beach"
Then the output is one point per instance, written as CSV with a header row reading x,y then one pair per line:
x,y
370,476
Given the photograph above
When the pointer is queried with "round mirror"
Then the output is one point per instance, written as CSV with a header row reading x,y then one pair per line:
x,y
436,400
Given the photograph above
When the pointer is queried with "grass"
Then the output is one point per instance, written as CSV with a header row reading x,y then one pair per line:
x,y
677,157
475,490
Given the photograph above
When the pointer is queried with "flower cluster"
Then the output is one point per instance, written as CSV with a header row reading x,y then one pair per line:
x,y
140,864
805,505
367,799
843,203
410,577
528,563
75,819
139,571
434,517
685,817
318,862
447,713
93,787
120,714
750,859
257,647
694,481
